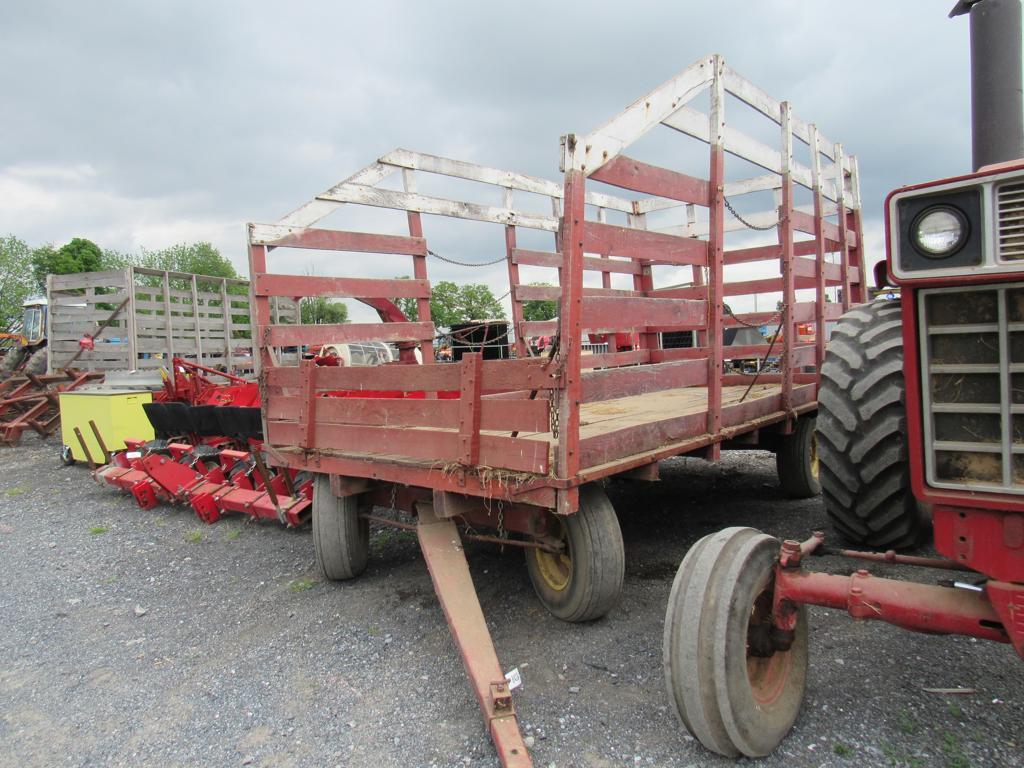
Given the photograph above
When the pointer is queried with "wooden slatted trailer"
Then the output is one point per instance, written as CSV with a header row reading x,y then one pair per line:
x,y
517,446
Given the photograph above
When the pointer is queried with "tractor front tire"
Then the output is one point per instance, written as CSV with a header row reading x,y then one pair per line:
x,y
732,685
861,430
584,580
341,538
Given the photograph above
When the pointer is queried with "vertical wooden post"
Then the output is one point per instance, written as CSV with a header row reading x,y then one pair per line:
x,y
606,277
419,267
567,457
857,253
50,304
168,326
225,304
786,241
307,404
195,322
129,320
841,205
470,375
522,348
819,248
716,254
259,315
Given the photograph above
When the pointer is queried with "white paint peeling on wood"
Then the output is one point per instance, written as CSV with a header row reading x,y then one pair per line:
x,y
601,145
405,201
309,214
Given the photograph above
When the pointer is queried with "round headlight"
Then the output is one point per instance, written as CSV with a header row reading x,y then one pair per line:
x,y
939,231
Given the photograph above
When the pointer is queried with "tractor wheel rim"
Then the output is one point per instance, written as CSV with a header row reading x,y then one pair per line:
x,y
768,675
555,567
814,455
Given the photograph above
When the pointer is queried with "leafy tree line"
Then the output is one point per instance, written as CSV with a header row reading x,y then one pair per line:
x,y
23,272
23,269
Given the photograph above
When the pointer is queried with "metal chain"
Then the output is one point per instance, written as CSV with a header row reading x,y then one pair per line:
x,y
502,533
458,263
743,221
741,321
394,494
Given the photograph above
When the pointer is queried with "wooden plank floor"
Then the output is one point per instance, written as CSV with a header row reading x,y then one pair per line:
x,y
612,415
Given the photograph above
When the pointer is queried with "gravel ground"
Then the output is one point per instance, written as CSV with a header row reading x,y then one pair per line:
x,y
146,638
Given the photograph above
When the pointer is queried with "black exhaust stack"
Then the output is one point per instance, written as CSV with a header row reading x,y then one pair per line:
x,y
997,110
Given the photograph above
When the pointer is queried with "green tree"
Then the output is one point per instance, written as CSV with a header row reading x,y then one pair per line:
x,y
540,309
17,278
318,310
194,258
478,303
80,255
444,304
451,303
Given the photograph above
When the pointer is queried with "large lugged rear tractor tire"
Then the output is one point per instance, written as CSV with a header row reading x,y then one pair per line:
x,y
584,581
734,688
341,538
861,430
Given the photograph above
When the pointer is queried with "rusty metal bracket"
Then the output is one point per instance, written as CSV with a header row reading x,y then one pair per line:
x,y
501,701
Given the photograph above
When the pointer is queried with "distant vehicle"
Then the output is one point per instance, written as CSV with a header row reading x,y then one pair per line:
x,y
28,352
359,353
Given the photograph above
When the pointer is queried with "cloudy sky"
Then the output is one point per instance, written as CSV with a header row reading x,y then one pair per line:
x,y
146,124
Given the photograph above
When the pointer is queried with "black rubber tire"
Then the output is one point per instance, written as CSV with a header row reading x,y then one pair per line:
x,y
11,361
796,459
862,441
37,361
595,561
341,538
705,653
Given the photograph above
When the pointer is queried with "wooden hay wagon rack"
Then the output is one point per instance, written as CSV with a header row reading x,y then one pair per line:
x,y
517,446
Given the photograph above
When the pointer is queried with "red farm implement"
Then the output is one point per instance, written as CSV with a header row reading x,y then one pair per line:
x,y
920,411
31,402
207,454
517,446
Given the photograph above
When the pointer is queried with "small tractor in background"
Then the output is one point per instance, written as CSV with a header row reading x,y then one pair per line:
x,y
920,424
26,348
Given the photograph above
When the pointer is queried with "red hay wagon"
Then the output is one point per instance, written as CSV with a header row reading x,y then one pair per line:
x,y
517,446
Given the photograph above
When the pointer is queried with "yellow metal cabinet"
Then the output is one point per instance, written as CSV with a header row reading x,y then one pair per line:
x,y
118,415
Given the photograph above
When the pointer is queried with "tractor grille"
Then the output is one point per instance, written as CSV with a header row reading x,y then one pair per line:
x,y
1010,221
972,354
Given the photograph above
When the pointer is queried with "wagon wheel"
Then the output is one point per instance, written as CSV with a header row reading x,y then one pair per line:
x,y
733,687
796,460
583,581
341,538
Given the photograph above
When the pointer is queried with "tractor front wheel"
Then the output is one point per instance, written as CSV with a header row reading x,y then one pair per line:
x,y
583,580
734,686
341,537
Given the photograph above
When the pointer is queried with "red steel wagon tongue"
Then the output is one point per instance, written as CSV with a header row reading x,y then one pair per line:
x,y
920,409
518,447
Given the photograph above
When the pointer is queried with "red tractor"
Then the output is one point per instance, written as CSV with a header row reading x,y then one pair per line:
x,y
920,424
